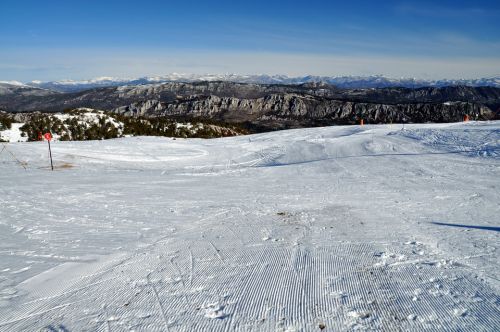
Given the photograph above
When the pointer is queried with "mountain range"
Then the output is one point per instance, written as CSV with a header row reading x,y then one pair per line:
x,y
353,82
266,106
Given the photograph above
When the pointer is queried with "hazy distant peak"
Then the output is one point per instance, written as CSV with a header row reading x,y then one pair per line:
x,y
375,81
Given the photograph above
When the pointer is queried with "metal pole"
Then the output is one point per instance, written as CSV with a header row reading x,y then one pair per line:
x,y
50,154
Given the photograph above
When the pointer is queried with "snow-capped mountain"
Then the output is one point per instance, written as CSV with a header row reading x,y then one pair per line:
x,y
15,83
20,89
377,81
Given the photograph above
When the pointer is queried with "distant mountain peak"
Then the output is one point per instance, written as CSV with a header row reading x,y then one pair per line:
x,y
16,83
355,82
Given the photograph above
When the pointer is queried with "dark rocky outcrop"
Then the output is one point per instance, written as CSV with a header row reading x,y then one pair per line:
x,y
293,110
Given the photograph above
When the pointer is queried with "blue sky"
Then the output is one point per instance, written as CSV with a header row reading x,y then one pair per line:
x,y
50,40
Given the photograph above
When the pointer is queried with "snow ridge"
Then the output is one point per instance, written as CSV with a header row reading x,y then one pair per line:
x,y
376,81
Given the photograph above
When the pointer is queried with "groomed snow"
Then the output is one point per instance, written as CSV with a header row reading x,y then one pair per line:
x,y
340,228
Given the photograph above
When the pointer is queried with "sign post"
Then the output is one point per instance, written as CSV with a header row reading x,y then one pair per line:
x,y
48,137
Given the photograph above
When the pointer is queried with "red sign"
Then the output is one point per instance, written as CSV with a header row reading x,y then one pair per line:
x,y
48,136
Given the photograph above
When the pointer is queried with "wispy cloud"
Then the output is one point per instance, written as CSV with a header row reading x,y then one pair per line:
x,y
436,10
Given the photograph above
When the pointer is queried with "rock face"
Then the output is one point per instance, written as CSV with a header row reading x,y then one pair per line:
x,y
274,106
292,110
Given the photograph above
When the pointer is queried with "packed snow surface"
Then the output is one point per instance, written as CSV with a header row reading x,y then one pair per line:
x,y
335,229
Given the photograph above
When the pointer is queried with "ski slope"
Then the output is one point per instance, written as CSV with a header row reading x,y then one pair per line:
x,y
336,229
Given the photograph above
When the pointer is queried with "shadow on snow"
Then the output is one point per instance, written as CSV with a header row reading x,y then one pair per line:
x,y
486,228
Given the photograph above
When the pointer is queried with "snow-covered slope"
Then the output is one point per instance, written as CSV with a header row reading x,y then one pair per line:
x,y
16,83
339,228
17,88
13,134
340,81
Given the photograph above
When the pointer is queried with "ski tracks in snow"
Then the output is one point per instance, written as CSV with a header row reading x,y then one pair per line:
x,y
340,244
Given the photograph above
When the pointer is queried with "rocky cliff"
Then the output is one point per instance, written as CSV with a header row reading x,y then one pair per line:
x,y
294,110
271,106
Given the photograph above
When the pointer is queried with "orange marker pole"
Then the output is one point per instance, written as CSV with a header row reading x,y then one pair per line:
x,y
466,118
48,137
361,122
